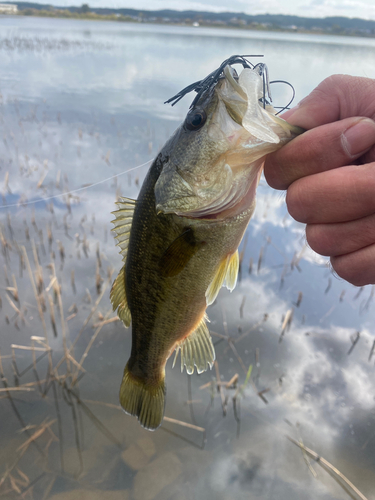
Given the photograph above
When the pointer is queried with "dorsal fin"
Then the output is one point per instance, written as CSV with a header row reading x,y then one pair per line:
x,y
123,224
197,349
118,298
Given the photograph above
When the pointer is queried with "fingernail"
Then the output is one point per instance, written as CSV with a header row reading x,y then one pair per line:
x,y
289,112
359,137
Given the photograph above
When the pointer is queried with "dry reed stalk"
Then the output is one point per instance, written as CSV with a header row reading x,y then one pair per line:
x,y
242,306
75,362
251,261
38,269
98,258
298,257
101,403
16,389
61,252
49,237
14,485
84,355
299,299
15,308
72,282
286,323
328,467
5,245
184,424
14,289
6,183
220,389
52,282
52,314
106,322
27,348
254,327
240,388
260,259
62,320
354,341
372,351
328,286
226,384
98,279
40,310
58,179
232,382
85,246
92,312
40,182
47,491
25,479
36,435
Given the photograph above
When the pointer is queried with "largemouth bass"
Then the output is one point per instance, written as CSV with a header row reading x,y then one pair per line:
x,y
179,240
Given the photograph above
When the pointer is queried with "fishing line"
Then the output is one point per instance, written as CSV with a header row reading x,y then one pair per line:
x,y
75,190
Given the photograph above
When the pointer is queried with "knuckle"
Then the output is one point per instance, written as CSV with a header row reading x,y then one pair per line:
x,y
273,172
318,239
354,274
296,201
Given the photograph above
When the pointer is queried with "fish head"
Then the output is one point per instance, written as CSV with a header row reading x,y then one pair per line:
x,y
214,160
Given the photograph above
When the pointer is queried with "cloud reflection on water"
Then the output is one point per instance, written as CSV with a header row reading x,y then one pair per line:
x,y
91,124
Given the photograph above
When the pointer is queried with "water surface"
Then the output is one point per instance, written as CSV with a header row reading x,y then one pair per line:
x,y
82,102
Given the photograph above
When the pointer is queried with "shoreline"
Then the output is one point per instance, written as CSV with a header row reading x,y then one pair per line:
x,y
119,18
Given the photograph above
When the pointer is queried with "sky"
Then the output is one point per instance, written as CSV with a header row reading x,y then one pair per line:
x,y
364,9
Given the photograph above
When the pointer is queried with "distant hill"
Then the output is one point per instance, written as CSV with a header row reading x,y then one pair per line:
x,y
270,21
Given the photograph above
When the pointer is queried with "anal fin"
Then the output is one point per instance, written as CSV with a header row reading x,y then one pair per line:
x,y
118,298
197,350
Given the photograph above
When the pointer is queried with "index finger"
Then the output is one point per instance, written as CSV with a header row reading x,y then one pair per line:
x,y
336,98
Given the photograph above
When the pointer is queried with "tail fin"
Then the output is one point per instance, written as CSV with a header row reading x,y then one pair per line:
x,y
144,401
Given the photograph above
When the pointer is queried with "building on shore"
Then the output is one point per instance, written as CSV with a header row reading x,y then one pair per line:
x,y
8,8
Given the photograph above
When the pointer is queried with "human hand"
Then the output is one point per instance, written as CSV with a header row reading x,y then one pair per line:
x,y
329,174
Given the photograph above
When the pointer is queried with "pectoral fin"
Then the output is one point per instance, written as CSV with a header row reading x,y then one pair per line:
x,y
232,272
225,275
179,253
197,350
118,298
218,281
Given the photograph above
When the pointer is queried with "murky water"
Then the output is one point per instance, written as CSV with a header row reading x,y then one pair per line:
x,y
81,106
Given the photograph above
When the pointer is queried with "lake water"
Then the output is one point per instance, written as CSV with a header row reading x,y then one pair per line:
x,y
81,103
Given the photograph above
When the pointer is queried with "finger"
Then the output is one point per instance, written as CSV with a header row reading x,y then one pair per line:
x,y
356,267
339,195
336,98
323,148
341,238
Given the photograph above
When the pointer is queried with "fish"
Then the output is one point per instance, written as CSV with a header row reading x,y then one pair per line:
x,y
179,240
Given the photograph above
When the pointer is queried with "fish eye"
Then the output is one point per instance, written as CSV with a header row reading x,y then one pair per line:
x,y
195,119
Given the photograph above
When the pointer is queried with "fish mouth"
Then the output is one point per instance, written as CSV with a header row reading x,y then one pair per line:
x,y
233,95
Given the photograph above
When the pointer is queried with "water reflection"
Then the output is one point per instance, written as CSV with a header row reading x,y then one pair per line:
x,y
294,344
